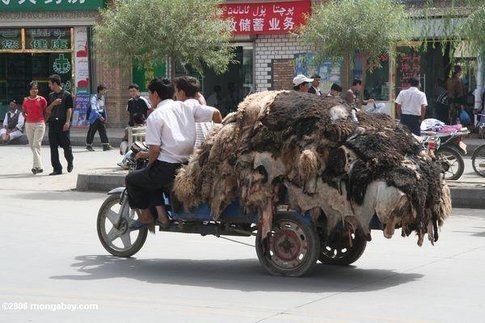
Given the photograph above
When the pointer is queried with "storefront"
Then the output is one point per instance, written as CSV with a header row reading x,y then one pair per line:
x,y
40,38
265,50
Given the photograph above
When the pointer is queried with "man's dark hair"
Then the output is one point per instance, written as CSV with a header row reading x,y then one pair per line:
x,y
139,118
163,87
55,78
355,82
188,84
32,85
413,82
134,86
101,87
12,101
336,87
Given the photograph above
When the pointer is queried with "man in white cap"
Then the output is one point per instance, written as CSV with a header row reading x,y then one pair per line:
x,y
301,83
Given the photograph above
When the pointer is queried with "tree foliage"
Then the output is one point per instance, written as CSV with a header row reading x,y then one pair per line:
x,y
340,28
458,22
188,31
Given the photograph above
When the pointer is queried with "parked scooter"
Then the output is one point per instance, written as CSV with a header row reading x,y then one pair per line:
x,y
449,151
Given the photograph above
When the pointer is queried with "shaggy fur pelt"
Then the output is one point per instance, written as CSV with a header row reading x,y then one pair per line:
x,y
318,155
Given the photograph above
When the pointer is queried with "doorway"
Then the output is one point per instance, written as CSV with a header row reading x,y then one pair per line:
x,y
226,90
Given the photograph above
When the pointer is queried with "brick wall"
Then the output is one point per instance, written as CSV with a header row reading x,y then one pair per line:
x,y
283,70
274,48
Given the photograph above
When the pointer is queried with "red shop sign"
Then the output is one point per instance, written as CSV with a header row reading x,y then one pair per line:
x,y
267,17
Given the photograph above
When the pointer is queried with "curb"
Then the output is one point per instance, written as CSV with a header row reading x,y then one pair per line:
x,y
467,195
99,182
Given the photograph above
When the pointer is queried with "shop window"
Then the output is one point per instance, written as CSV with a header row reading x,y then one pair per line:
x,y
377,81
52,39
32,54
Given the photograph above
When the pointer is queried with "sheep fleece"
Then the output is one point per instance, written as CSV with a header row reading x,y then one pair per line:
x,y
318,155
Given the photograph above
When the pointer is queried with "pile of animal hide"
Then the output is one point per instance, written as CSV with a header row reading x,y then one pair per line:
x,y
317,155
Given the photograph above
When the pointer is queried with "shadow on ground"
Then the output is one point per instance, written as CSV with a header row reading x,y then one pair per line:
x,y
241,274
59,196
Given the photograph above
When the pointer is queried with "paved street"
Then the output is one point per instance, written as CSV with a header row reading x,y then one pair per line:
x,y
51,255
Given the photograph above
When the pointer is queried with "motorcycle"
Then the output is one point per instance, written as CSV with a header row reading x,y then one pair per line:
x,y
449,152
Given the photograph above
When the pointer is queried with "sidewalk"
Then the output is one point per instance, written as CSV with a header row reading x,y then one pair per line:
x,y
78,137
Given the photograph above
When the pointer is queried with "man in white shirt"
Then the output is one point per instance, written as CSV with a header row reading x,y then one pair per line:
x,y
170,135
187,90
411,106
13,123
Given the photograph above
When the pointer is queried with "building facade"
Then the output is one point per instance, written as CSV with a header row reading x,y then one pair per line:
x,y
40,38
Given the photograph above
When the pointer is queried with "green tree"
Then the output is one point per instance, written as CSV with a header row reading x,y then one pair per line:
x,y
340,28
186,31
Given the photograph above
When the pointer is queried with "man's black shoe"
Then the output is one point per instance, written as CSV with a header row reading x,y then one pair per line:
x,y
70,166
54,173
89,148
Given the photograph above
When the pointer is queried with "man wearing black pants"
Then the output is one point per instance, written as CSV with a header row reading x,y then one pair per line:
x,y
59,113
411,106
170,135
97,120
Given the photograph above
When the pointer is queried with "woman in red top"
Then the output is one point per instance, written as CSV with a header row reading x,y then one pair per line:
x,y
34,111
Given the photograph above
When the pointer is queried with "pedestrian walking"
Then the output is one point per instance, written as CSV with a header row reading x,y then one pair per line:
x,y
97,120
411,106
13,123
136,104
34,108
59,112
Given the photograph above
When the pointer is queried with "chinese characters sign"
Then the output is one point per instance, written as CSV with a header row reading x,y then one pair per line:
x,y
266,18
10,39
51,39
44,5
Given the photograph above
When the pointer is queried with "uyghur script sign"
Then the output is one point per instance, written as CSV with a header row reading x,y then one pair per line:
x,y
45,5
266,18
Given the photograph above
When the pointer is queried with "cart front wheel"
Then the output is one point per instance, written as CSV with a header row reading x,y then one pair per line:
x,y
291,247
114,217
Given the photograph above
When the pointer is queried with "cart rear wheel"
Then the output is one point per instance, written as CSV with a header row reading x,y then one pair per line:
x,y
114,217
291,247
339,252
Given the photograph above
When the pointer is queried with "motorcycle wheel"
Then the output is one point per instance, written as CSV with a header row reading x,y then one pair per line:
x,y
114,217
291,247
478,160
451,162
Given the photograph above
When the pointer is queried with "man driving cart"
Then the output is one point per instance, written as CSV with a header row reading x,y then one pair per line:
x,y
170,136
